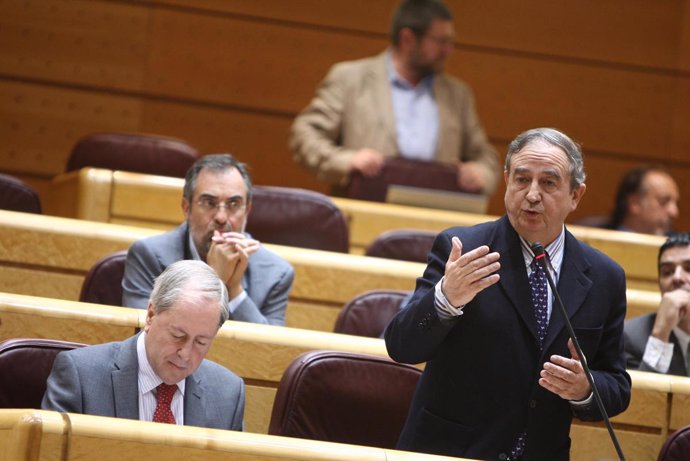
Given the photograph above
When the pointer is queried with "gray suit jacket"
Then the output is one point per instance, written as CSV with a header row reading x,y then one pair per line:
x,y
267,281
102,380
353,109
636,333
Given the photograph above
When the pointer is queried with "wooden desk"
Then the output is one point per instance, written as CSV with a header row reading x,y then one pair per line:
x,y
37,435
154,201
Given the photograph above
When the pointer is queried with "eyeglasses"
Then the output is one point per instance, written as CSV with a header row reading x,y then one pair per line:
x,y
232,206
443,41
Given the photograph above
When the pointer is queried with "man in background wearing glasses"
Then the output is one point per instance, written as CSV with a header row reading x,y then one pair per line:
x,y
216,202
399,103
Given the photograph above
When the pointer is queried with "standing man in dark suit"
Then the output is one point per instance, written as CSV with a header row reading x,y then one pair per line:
x,y
216,202
658,342
133,378
502,382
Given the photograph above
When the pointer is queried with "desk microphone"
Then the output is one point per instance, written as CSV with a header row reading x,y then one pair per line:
x,y
541,258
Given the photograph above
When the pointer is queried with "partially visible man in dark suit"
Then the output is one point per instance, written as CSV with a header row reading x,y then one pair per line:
x,y
216,202
502,380
659,342
129,379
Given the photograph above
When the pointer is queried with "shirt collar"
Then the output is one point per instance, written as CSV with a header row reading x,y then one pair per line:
x,y
554,249
398,81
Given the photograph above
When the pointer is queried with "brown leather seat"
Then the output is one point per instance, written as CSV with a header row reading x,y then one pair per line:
x,y
405,172
677,446
369,313
344,397
24,368
297,217
103,282
15,195
140,153
405,244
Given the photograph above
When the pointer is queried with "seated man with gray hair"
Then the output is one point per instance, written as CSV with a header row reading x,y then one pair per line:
x,y
160,374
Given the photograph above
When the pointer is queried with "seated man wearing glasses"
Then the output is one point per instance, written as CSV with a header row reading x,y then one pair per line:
x,y
216,202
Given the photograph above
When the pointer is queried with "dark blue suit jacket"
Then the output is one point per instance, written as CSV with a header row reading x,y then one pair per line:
x,y
479,388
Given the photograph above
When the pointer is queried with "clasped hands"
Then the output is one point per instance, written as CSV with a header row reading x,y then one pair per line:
x,y
229,257
468,274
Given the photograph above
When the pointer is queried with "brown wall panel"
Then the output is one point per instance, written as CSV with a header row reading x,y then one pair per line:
x,y
257,139
588,29
80,42
230,61
40,123
362,15
607,109
637,32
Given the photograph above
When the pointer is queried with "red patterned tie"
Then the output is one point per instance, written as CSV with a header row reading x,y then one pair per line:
x,y
164,395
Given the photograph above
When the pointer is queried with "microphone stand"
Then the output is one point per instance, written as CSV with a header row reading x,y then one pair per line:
x,y
540,256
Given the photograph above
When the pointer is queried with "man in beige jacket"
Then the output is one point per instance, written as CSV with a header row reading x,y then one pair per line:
x,y
399,103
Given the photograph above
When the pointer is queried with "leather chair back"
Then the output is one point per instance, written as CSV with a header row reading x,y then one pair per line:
x,y
677,446
297,217
405,244
15,195
405,172
140,153
369,313
24,368
103,282
344,397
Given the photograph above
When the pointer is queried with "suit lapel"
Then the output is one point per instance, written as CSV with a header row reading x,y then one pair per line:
x,y
125,379
194,402
514,274
382,102
574,283
442,93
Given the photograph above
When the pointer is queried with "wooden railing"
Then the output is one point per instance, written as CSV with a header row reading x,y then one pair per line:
x,y
49,256
260,354
36,435
154,202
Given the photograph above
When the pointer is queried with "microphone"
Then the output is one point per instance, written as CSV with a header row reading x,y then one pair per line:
x,y
540,256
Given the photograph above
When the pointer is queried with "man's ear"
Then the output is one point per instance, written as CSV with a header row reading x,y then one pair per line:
x,y
186,207
407,38
149,316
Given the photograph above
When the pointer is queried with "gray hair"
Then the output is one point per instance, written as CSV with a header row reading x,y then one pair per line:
x,y
189,278
217,163
555,138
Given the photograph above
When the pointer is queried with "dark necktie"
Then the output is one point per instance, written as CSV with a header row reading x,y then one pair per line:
x,y
164,395
540,299
540,302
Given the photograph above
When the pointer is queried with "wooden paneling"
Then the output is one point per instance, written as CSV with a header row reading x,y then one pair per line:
x,y
229,75
78,41
39,124
252,64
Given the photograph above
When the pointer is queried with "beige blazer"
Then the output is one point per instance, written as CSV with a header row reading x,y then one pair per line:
x,y
353,109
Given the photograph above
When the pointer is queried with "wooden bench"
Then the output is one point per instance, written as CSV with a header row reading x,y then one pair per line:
x,y
38,435
154,202
50,256
260,354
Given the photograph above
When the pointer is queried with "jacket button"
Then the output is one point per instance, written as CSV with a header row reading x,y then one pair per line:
x,y
502,457
532,403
